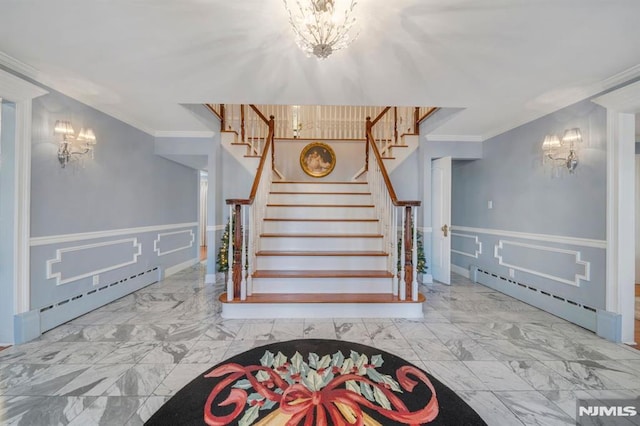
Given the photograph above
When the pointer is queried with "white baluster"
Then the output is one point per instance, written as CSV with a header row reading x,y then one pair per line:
x,y
414,252
251,250
243,273
394,237
402,284
230,257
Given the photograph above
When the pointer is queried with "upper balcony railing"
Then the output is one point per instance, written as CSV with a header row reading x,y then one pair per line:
x,y
320,121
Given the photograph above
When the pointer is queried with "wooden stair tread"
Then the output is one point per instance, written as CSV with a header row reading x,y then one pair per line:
x,y
320,205
281,235
239,143
284,219
321,182
253,156
321,274
322,298
318,193
320,253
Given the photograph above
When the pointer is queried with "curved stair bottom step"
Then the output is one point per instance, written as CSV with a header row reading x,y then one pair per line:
x,y
321,306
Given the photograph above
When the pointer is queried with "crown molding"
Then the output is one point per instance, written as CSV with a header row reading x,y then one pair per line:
x,y
16,89
622,77
184,134
18,66
31,72
454,138
625,99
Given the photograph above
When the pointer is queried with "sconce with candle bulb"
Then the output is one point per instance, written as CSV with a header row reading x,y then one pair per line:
x,y
563,151
72,147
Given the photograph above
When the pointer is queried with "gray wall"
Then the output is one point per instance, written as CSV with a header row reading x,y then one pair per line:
x,y
561,218
144,209
7,183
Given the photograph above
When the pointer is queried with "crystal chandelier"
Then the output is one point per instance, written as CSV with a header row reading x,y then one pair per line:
x,y
320,28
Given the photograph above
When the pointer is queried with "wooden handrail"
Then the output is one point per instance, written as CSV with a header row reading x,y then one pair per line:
x,y
383,170
257,111
384,111
263,159
213,110
427,114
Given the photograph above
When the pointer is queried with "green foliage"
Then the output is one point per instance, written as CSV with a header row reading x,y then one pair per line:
x,y
422,261
222,260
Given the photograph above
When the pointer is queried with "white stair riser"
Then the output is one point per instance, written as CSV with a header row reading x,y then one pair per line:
x,y
302,198
321,310
321,285
305,263
321,244
298,212
293,227
319,187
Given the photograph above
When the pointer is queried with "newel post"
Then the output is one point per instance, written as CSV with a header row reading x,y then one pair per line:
x,y
416,121
366,144
222,118
408,249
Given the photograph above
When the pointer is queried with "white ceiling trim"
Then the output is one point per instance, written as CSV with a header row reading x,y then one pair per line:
x,y
625,99
184,134
622,77
16,89
18,66
454,138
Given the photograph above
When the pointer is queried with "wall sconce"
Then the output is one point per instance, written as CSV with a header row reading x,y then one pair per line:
x,y
72,147
563,150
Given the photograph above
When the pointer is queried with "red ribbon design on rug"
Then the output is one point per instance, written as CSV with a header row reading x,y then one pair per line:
x,y
314,406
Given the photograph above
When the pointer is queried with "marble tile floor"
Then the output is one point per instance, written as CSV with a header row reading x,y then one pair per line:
x,y
514,364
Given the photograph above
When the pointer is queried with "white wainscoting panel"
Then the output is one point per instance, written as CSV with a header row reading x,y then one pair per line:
x,y
475,239
586,276
59,253
189,232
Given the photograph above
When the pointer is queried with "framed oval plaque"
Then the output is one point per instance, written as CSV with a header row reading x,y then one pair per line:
x,y
317,159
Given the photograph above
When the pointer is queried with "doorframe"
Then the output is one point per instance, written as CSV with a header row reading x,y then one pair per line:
x,y
21,93
436,229
622,105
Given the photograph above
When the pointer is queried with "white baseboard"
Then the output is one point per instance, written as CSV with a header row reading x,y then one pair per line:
x,y
210,279
427,279
180,266
6,344
460,270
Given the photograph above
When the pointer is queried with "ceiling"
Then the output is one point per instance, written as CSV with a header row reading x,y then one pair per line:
x,y
500,62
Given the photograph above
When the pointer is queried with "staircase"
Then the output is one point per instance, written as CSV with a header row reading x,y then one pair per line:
x,y
322,249
321,254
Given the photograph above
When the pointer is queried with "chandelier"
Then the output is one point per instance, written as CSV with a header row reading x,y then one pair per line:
x,y
320,28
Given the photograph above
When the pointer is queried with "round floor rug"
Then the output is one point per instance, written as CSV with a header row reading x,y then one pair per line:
x,y
315,382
